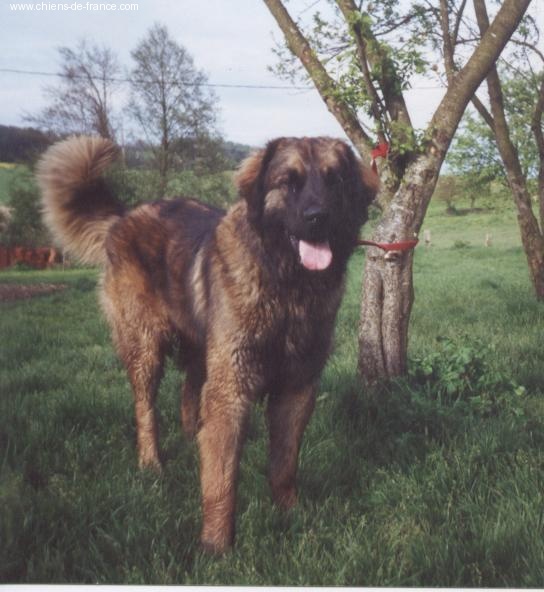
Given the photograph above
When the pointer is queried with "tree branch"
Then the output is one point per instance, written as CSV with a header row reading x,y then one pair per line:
x,y
480,62
378,109
449,42
458,19
389,80
325,85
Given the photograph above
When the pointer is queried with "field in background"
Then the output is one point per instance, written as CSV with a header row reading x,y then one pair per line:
x,y
434,481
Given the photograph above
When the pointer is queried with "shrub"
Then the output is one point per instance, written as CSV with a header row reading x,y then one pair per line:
x,y
461,244
459,375
25,226
135,187
216,188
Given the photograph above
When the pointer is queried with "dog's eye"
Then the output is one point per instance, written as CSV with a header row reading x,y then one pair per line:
x,y
292,180
331,177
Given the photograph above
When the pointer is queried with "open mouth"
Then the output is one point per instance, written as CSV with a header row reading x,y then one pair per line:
x,y
314,256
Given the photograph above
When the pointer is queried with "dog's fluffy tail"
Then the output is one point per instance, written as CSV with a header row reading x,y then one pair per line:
x,y
78,207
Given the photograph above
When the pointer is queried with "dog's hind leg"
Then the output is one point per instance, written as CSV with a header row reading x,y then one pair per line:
x,y
143,358
288,414
140,339
145,372
192,387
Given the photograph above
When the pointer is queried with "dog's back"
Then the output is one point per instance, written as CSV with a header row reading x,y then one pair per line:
x,y
161,248
156,245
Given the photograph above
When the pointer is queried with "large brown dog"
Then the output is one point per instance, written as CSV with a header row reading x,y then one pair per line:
x,y
250,295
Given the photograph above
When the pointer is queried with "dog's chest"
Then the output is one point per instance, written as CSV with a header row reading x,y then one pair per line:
x,y
292,336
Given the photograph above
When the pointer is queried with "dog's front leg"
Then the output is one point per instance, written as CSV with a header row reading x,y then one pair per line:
x,y
224,413
288,414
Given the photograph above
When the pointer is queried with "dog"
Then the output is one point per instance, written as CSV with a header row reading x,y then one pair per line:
x,y
249,295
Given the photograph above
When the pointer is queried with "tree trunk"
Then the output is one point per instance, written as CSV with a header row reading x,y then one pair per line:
x,y
385,313
388,293
531,237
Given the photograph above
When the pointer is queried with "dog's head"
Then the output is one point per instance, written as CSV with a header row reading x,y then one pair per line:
x,y
311,193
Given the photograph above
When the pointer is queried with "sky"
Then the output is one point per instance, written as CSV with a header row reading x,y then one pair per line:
x,y
230,40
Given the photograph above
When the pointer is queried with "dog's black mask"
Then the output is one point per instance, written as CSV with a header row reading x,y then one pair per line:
x,y
310,192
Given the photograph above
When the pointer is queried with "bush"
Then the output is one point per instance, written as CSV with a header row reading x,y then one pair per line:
x,y
461,244
216,188
458,375
135,187
25,227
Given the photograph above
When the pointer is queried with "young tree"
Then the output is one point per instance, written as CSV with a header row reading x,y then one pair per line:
x,y
448,190
376,53
82,102
170,100
532,235
474,156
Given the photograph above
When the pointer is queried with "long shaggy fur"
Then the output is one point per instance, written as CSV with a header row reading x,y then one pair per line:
x,y
77,206
246,298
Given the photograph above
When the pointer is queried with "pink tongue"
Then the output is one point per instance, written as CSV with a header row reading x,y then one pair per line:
x,y
315,256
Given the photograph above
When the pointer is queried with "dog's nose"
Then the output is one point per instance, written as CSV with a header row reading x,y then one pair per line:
x,y
315,216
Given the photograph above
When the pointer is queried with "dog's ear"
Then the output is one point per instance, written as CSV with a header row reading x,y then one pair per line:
x,y
367,182
250,180
370,181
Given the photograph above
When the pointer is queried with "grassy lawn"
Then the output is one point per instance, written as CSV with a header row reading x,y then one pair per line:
x,y
438,480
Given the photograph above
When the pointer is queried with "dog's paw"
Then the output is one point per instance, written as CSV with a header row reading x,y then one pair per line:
x,y
150,464
215,546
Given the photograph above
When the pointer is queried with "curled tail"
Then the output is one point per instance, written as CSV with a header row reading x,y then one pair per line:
x,y
78,207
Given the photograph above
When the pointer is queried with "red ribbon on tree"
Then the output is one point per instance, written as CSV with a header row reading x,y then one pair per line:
x,y
380,151
400,246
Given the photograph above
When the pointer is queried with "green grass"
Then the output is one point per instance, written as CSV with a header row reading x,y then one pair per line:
x,y
414,486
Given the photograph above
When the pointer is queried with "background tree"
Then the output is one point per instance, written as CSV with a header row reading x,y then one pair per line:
x,y
474,160
82,102
448,189
24,225
474,157
519,138
5,219
169,99
532,236
360,61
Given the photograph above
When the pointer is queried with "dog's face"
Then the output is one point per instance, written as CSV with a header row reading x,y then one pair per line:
x,y
311,193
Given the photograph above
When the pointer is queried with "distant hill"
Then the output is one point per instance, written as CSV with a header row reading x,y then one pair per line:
x,y
236,152
22,144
